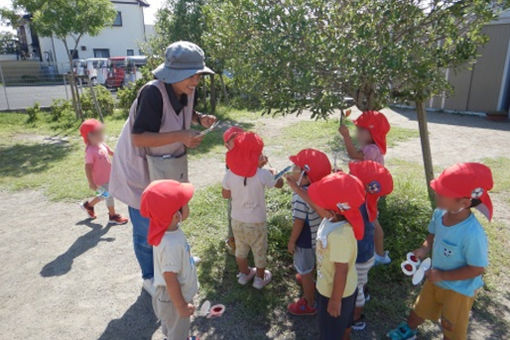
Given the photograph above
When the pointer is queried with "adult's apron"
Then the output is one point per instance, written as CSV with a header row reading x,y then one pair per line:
x,y
130,170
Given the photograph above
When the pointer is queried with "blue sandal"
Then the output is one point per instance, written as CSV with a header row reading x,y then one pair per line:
x,y
402,332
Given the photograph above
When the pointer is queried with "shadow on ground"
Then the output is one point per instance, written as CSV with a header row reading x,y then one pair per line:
x,y
21,159
137,323
456,119
63,263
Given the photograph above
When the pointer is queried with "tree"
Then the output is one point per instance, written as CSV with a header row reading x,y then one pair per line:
x,y
69,21
309,54
8,43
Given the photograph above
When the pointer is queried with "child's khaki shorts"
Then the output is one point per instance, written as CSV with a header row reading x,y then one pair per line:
x,y
453,308
251,236
173,326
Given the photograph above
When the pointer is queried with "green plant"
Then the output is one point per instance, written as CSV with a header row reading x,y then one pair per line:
x,y
104,99
33,113
127,95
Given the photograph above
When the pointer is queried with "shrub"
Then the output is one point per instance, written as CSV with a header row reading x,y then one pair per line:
x,y
127,95
62,111
104,98
33,113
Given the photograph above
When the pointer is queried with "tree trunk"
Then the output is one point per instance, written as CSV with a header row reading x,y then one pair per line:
x,y
425,146
96,103
72,84
224,89
213,95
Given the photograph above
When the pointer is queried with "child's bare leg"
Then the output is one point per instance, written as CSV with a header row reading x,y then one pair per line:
x,y
261,272
357,313
308,288
111,211
378,238
243,265
94,201
347,334
413,321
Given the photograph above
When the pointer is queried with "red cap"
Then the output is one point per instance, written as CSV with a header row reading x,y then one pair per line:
x,y
469,180
377,181
231,132
377,124
160,201
88,126
243,159
315,163
344,194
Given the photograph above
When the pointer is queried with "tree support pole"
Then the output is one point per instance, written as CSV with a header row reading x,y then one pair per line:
x,y
425,147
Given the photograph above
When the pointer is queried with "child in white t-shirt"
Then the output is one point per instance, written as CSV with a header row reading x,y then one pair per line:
x,y
245,184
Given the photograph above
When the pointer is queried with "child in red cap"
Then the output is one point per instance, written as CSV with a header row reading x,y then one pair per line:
x,y
378,182
165,204
372,128
459,252
339,197
97,168
244,183
310,166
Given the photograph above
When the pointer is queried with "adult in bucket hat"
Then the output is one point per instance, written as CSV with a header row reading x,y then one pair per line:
x,y
159,124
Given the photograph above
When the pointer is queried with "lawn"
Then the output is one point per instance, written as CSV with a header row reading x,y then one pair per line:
x,y
48,156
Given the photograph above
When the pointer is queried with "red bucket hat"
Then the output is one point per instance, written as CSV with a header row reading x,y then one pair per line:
x,y
243,159
469,180
344,194
378,126
231,132
88,126
377,181
160,201
315,163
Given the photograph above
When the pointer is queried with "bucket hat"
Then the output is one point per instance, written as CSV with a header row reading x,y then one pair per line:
x,y
183,59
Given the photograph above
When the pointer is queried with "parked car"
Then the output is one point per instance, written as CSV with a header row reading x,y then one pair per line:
x,y
116,72
97,70
133,66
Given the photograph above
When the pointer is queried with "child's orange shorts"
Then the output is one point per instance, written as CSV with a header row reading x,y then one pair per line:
x,y
453,308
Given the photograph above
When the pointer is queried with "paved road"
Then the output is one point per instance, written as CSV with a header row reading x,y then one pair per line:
x,y
21,97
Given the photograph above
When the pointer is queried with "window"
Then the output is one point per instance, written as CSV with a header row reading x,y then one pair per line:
x,y
130,52
118,19
101,53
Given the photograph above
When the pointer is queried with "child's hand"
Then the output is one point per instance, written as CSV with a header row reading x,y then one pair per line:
x,y
291,247
271,170
185,311
93,186
421,253
344,131
291,182
262,161
434,275
334,307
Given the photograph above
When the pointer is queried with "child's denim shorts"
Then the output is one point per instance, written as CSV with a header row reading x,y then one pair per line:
x,y
304,260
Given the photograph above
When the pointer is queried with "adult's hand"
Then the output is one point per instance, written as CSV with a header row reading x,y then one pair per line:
x,y
192,138
207,120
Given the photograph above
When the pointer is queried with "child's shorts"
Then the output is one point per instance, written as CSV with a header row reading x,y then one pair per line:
x,y
251,236
304,260
363,269
453,308
331,328
172,325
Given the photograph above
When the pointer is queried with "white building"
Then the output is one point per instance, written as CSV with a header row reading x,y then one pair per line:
x,y
123,38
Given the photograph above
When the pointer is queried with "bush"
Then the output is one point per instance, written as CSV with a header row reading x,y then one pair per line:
x,y
33,113
104,98
127,95
62,111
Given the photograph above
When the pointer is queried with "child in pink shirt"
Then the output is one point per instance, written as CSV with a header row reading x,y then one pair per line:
x,y
97,168
372,128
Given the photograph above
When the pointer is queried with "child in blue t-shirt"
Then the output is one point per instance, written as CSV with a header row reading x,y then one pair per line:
x,y
459,252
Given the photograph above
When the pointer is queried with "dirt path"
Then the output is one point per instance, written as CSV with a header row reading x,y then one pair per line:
x,y
63,278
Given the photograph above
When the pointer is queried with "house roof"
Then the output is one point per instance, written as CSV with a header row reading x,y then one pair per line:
x,y
143,3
